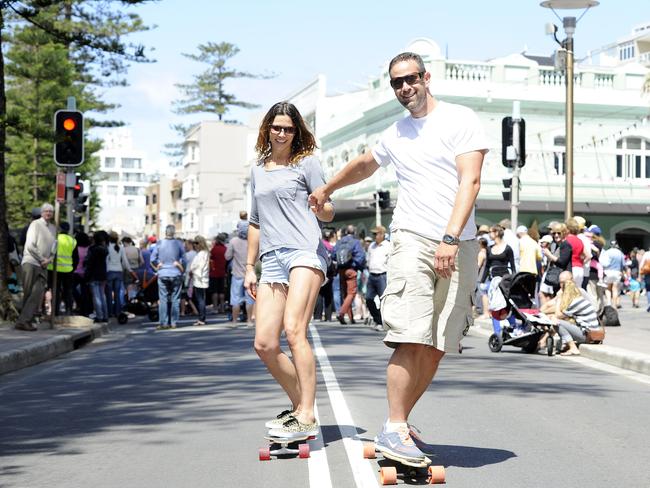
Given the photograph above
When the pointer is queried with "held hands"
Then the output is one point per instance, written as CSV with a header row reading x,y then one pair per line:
x,y
250,282
444,263
318,198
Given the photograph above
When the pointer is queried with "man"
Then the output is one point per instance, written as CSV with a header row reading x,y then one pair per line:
x,y
168,259
237,251
437,151
530,254
67,259
40,246
613,262
350,258
377,256
511,240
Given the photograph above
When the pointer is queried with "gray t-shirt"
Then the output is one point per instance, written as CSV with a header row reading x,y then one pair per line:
x,y
280,208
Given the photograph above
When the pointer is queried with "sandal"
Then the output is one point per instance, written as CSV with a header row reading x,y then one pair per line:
x,y
199,322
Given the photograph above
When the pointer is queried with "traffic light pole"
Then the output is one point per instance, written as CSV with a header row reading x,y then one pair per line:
x,y
514,200
377,210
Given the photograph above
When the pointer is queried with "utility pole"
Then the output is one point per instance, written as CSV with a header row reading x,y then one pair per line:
x,y
514,204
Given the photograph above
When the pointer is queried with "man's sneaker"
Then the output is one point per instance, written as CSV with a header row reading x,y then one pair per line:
x,y
414,432
293,429
278,420
398,444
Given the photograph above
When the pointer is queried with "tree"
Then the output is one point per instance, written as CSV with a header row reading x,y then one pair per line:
x,y
208,92
86,40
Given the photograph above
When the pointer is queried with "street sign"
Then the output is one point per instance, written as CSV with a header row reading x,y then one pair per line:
x,y
60,187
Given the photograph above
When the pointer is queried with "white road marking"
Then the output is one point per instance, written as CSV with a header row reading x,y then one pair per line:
x,y
319,471
361,470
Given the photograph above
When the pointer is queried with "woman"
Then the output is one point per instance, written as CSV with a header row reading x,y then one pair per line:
x,y
286,235
500,259
134,258
200,272
95,274
482,288
572,306
559,257
81,292
116,266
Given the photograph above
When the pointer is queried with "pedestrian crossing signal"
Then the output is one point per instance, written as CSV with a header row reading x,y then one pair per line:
x,y
68,138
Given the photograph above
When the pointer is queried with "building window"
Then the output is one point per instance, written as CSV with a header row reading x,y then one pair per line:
x,y
146,200
111,176
153,219
146,220
131,163
130,203
559,155
111,190
192,152
632,158
131,190
154,199
109,162
330,162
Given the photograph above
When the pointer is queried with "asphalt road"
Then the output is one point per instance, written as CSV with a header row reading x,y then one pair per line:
x,y
186,408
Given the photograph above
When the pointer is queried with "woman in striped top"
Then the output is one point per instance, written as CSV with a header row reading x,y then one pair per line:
x,y
571,303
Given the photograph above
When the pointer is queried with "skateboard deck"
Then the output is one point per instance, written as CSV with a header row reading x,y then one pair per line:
x,y
388,474
280,446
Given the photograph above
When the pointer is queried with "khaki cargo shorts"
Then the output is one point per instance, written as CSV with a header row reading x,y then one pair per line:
x,y
418,306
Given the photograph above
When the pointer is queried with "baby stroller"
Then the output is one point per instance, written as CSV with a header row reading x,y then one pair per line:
x,y
526,325
145,300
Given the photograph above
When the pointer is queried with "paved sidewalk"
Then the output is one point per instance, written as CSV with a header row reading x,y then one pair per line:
x,y
626,347
20,349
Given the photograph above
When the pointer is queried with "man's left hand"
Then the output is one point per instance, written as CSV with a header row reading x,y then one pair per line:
x,y
444,263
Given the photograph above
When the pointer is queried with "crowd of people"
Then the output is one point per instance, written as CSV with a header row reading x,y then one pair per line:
x,y
98,275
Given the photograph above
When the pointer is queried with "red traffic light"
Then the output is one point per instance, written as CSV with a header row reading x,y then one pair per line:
x,y
69,124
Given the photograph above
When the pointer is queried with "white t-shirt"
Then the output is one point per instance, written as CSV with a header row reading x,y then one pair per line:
x,y
378,256
424,152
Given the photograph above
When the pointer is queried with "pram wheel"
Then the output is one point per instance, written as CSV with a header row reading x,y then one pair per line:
x,y
122,318
495,342
550,346
153,314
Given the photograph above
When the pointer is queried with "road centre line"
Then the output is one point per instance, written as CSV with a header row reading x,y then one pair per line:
x,y
364,477
319,471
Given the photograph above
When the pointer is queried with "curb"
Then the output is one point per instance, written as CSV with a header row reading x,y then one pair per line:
x,y
614,356
38,352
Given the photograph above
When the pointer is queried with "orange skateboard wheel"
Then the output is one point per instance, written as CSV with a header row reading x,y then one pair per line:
x,y
303,451
369,450
436,475
264,454
388,475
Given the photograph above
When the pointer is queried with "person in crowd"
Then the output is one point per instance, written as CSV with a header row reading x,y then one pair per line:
x,y
613,261
350,258
437,151
577,251
595,284
378,254
511,240
135,260
237,252
530,254
559,259
218,274
146,271
586,238
573,305
67,259
168,259
325,301
187,290
38,252
644,275
81,291
500,259
285,234
116,266
482,288
96,274
200,275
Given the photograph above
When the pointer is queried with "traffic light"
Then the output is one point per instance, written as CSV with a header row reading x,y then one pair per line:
x,y
384,199
506,141
81,204
77,225
78,187
507,193
68,138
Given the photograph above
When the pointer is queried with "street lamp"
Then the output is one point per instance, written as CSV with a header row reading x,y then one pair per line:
x,y
569,24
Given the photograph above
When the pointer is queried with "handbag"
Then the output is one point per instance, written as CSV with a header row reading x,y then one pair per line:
x,y
595,336
553,277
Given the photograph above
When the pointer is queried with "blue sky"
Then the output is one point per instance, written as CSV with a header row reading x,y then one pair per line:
x,y
348,41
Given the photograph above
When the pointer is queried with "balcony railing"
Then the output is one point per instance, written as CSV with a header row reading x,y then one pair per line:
x,y
468,72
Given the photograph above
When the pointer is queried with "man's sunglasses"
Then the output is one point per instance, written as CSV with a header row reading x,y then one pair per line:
x,y
411,80
276,129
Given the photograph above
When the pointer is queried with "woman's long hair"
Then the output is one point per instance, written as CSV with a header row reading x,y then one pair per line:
x,y
569,293
303,143
201,244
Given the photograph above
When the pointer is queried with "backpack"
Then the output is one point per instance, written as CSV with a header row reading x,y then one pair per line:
x,y
609,317
344,255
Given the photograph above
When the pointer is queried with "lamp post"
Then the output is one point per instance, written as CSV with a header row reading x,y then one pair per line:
x,y
569,24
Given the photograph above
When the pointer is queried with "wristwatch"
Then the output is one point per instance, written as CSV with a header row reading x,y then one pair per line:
x,y
451,240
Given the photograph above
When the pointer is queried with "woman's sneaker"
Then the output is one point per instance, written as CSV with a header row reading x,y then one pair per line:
x,y
293,429
278,420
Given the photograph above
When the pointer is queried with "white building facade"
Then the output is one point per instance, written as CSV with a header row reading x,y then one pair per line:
x,y
121,185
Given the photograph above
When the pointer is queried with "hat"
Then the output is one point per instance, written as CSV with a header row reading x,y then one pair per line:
x,y
595,229
483,229
152,239
552,224
547,238
379,228
581,221
522,229
367,239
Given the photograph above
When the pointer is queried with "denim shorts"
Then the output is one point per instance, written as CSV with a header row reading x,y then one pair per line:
x,y
277,264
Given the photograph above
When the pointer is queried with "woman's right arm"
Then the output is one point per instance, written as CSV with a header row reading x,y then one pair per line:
x,y
250,280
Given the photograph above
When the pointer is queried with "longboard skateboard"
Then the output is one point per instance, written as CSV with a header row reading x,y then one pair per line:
x,y
422,469
281,447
